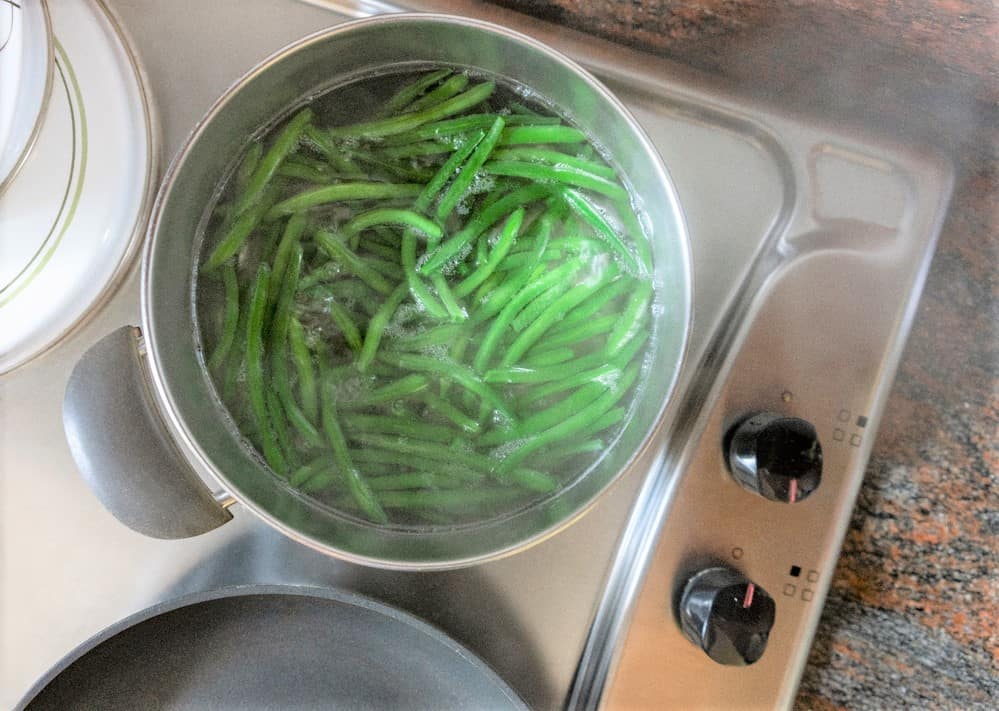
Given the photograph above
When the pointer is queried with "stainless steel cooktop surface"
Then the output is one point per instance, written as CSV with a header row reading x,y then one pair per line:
x,y
810,245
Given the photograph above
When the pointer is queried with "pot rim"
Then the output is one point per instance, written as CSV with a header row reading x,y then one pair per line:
x,y
189,441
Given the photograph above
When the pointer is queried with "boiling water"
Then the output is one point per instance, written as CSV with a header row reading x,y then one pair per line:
x,y
428,429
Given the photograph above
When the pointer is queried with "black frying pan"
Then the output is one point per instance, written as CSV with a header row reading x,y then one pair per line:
x,y
271,647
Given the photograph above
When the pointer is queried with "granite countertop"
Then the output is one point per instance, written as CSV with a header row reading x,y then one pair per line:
x,y
912,619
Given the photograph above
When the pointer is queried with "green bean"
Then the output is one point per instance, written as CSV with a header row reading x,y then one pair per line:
x,y
558,372
448,411
248,165
529,479
488,286
609,419
468,171
236,236
446,172
516,135
280,427
631,225
439,336
550,356
603,374
377,326
406,122
231,321
481,254
575,422
521,260
421,294
382,251
341,192
585,246
397,170
494,302
499,252
306,160
302,357
279,347
289,240
632,318
499,325
305,472
307,173
386,235
564,174
592,306
334,156
357,266
341,317
578,333
550,157
319,274
519,108
255,372
389,216
397,426
536,307
452,86
287,284
237,354
460,374
553,454
454,309
359,490
448,498
268,165
386,269
323,480
415,480
401,388
589,213
449,129
370,454
457,354
411,91
416,150
547,418
480,223
430,450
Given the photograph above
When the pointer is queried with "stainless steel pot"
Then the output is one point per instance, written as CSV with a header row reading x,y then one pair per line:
x,y
140,413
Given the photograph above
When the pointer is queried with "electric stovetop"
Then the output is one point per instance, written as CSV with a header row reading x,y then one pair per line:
x,y
810,245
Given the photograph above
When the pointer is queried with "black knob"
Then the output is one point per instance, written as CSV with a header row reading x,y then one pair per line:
x,y
776,456
727,616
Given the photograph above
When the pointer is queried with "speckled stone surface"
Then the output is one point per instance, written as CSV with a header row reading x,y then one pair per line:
x,y
912,619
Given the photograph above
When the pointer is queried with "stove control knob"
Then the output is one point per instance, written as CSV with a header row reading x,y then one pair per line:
x,y
727,616
776,456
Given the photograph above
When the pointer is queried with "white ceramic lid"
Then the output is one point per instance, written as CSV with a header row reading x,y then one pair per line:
x,y
70,222
25,80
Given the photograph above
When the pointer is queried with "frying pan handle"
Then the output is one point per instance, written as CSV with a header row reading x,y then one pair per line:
x,y
124,450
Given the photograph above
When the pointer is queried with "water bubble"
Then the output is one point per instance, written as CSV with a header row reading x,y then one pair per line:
x,y
436,351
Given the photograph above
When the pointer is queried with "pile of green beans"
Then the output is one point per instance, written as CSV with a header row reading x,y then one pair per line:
x,y
430,316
